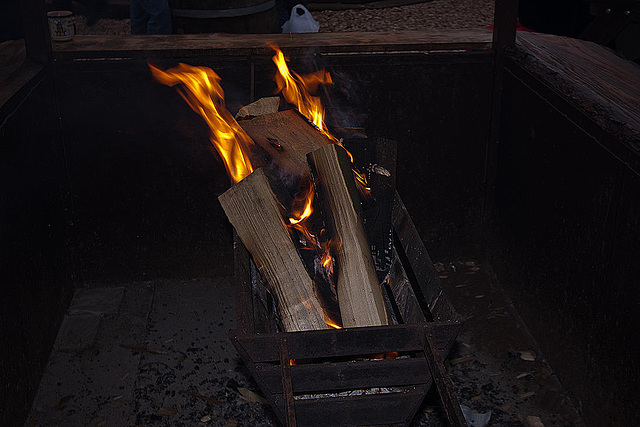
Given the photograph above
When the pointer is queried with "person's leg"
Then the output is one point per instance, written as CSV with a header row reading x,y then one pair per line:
x,y
138,17
159,17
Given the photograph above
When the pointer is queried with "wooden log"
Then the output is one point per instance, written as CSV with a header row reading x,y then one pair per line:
x,y
285,137
256,215
259,108
359,293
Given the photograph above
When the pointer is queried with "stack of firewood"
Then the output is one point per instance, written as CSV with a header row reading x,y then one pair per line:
x,y
290,145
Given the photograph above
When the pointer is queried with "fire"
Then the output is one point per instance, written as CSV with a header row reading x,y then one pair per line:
x,y
301,210
297,90
200,87
305,198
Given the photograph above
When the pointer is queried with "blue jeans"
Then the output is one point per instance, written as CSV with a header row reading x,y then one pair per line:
x,y
150,17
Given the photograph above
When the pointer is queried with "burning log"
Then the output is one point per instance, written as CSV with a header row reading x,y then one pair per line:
x,y
286,137
259,108
359,293
252,208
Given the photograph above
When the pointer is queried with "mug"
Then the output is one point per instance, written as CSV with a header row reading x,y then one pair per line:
x,y
61,25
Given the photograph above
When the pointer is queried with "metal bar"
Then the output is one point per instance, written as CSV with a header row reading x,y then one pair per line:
x,y
443,383
287,386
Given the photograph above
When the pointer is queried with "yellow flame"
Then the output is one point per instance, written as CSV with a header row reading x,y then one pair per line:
x,y
200,87
297,90
332,324
306,199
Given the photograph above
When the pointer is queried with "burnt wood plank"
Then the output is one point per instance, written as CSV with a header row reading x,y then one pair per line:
x,y
383,180
403,294
352,375
343,342
285,138
261,312
446,389
372,410
243,287
375,158
287,387
187,45
592,78
421,265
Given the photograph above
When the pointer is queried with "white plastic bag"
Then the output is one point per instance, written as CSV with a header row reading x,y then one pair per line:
x,y
300,21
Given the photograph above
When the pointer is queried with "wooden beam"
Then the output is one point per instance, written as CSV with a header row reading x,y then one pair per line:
x,y
256,215
190,45
359,293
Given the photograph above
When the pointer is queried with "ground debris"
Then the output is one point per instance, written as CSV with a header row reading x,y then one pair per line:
x,y
251,397
529,356
527,394
461,360
143,348
533,421
62,403
208,399
165,411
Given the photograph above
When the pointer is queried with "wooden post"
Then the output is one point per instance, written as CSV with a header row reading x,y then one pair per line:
x,y
256,215
359,293
36,30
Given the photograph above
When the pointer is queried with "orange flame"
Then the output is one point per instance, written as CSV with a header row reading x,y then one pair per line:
x,y
200,87
297,90
301,214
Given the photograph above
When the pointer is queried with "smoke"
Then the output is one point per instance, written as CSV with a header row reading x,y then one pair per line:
x,y
344,106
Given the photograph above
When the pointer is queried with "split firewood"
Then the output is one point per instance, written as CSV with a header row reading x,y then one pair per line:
x,y
359,293
259,108
255,213
286,137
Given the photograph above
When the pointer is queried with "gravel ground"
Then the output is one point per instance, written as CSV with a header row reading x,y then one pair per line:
x,y
435,14
440,14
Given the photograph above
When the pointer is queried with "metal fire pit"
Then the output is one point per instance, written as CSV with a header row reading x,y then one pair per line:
x,y
343,377
329,377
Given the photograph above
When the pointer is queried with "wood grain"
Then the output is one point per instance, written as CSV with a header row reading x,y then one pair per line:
x,y
184,45
286,137
359,293
255,214
591,77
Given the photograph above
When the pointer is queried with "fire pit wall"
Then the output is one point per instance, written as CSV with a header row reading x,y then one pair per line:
x,y
124,186
567,238
145,182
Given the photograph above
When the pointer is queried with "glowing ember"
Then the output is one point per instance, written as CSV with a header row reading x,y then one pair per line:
x,y
200,87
